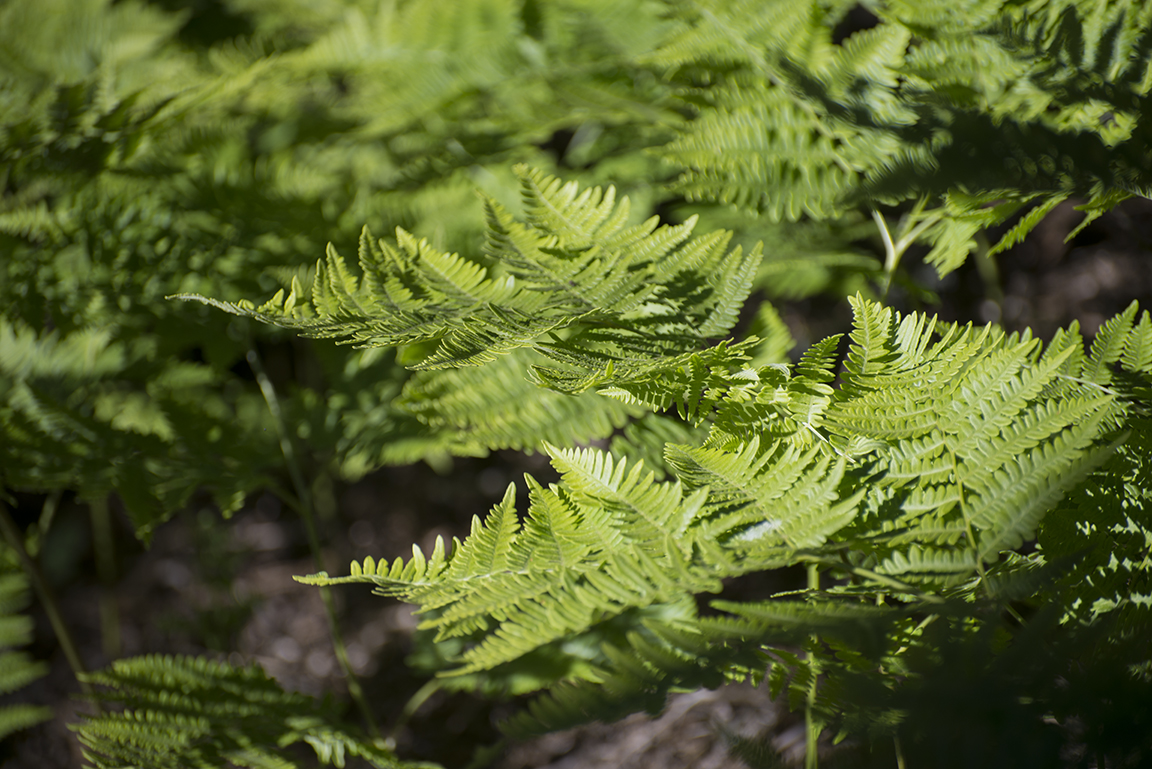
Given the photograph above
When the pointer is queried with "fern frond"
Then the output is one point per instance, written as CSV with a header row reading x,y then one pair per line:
x,y
1010,505
1137,355
575,263
779,496
17,668
984,435
1109,345
570,568
478,410
189,712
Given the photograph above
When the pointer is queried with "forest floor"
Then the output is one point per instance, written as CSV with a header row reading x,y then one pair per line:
x,y
227,590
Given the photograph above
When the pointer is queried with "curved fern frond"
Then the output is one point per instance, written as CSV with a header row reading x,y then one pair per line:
x,y
573,264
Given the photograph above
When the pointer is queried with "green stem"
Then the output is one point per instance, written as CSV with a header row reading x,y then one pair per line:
x,y
47,600
811,724
891,255
47,515
414,702
989,271
859,571
304,495
912,227
104,547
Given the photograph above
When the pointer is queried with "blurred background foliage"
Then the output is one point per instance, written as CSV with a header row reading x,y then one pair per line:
x,y
150,149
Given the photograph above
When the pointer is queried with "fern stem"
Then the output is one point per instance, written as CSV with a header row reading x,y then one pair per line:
x,y
859,571
104,549
414,703
47,600
47,515
910,229
891,255
811,725
899,752
989,271
304,496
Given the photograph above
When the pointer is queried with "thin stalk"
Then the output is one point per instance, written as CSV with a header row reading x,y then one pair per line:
x,y
414,703
891,255
47,600
104,546
304,495
909,231
899,753
883,579
47,515
811,725
989,272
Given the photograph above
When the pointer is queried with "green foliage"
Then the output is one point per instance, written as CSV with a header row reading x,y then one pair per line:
x,y
601,301
148,166
943,450
17,669
183,712
971,506
981,114
155,167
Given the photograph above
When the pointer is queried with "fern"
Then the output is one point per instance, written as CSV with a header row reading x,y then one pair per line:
x,y
184,712
552,313
574,261
608,546
914,106
17,668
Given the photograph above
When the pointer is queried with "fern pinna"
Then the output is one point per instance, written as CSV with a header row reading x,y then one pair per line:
x,y
905,489
17,668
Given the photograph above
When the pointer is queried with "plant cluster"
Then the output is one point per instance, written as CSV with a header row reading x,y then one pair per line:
x,y
970,506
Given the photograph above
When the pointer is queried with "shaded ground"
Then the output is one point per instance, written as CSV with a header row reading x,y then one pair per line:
x,y
207,588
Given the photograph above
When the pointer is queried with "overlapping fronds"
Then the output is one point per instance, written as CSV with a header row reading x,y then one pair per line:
x,y
63,411
981,437
139,164
1013,108
188,712
605,549
944,448
17,668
